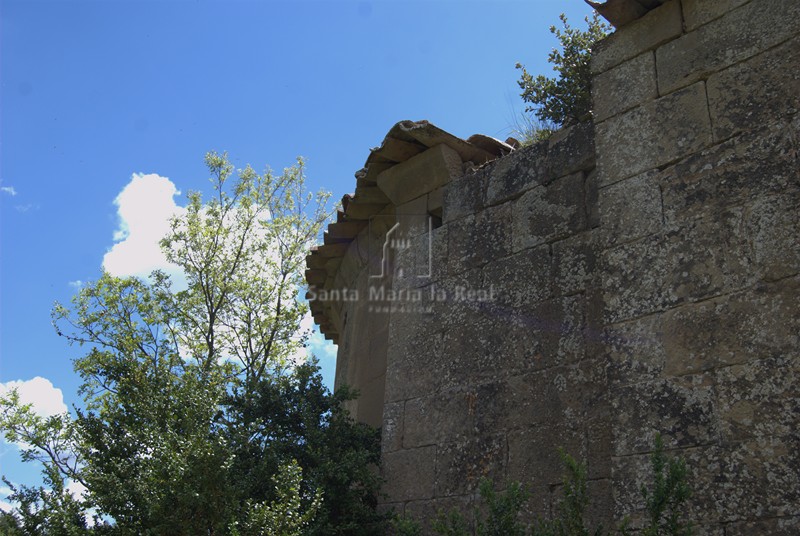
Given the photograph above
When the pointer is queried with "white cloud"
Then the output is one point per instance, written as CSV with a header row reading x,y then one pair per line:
x,y
76,489
5,506
144,207
76,284
10,190
320,348
46,399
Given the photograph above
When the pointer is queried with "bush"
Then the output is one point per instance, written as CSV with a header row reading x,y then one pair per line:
x,y
566,98
665,503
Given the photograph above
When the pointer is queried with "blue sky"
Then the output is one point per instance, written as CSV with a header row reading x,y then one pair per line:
x,y
92,93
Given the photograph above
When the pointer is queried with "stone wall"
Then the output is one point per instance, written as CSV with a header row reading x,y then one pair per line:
x,y
697,129
499,372
634,276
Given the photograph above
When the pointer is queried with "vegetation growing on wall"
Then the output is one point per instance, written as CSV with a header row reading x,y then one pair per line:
x,y
565,98
500,512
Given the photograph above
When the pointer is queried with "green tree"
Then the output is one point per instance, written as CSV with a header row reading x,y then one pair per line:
x,y
566,98
293,417
180,384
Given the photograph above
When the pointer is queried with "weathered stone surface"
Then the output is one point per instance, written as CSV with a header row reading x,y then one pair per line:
x,y
574,263
625,86
533,452
699,12
781,526
413,218
544,335
735,172
752,93
630,209
701,258
465,196
409,474
420,174
746,480
516,173
522,279
476,240
635,350
457,413
461,464
392,427
415,345
737,328
652,135
740,34
550,213
772,223
591,192
655,28
754,402
426,512
424,261
681,409
570,150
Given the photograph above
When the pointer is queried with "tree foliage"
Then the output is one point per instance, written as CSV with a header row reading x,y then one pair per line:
x,y
565,98
196,419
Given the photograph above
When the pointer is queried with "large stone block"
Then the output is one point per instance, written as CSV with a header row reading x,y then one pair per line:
x,y
465,196
461,464
513,174
414,357
409,474
680,409
574,263
688,263
772,224
392,427
781,526
522,279
460,412
740,34
635,350
420,174
759,399
427,512
550,213
737,328
570,150
544,335
630,209
477,240
624,87
656,27
745,481
753,93
731,173
652,135
534,459
699,12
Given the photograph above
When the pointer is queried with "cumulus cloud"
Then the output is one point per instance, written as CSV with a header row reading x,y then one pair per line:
x,y
76,489
320,348
46,399
10,190
144,208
